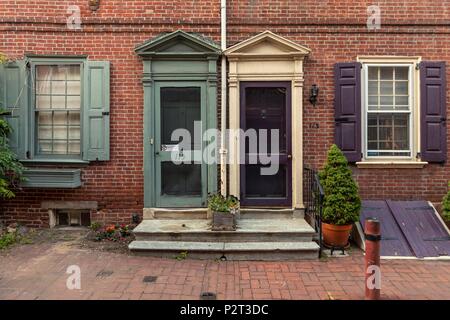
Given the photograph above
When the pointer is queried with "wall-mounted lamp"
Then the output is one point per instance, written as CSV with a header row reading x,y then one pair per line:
x,y
314,94
94,4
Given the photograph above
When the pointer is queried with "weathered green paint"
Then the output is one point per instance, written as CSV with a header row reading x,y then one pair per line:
x,y
96,111
14,98
191,156
184,59
52,178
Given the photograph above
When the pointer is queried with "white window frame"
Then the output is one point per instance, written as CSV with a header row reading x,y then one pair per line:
x,y
414,134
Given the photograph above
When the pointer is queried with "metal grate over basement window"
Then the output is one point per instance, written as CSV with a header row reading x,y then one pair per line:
x,y
73,218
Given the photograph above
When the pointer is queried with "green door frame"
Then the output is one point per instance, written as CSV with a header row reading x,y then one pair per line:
x,y
178,57
165,156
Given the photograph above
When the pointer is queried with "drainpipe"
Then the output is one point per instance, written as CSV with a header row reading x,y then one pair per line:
x,y
223,118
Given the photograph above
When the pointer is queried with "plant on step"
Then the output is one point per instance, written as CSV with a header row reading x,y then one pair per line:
x,y
446,205
342,203
219,203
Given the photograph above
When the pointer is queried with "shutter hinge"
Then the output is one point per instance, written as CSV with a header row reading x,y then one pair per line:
x,y
418,155
417,66
362,155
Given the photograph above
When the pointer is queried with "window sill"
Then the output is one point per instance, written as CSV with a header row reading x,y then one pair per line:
x,y
56,161
391,164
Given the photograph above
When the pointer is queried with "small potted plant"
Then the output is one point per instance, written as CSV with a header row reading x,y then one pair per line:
x,y
224,211
342,203
446,207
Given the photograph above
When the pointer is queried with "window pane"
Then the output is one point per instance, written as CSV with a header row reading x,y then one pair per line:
x,y
74,147
74,133
45,132
43,72
73,87
58,132
43,87
73,102
181,180
58,102
43,102
373,100
387,87
386,73
388,134
401,100
373,73
401,73
373,88
74,118
401,88
58,87
387,101
180,107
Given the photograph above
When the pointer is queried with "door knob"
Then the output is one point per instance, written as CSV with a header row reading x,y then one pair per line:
x,y
289,156
157,153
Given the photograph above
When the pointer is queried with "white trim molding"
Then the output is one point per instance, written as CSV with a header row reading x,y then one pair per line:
x,y
268,57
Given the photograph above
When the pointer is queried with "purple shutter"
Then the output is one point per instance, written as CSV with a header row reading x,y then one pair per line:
x,y
433,111
347,109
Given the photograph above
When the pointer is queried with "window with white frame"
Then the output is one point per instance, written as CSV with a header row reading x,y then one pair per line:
x,y
389,111
57,110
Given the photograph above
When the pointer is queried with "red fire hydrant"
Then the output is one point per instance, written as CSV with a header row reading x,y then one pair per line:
x,y
372,231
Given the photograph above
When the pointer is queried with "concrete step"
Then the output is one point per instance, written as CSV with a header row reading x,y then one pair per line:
x,y
251,230
261,251
181,214
201,213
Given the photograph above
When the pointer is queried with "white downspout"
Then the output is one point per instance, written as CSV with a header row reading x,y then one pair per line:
x,y
223,91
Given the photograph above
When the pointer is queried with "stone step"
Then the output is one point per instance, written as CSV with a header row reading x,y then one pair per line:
x,y
252,230
201,213
261,251
182,214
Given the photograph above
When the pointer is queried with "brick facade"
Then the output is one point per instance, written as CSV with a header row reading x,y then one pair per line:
x,y
334,30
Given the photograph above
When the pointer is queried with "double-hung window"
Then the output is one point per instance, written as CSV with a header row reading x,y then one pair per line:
x,y
388,117
57,106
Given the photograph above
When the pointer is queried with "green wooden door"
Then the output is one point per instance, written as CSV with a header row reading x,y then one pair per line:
x,y
181,175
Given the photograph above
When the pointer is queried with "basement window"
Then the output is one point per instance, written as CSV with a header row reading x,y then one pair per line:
x,y
73,218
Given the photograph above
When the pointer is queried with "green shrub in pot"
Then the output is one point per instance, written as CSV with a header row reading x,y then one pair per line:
x,y
342,203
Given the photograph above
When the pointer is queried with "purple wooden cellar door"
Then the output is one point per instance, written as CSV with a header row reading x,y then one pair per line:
x,y
266,105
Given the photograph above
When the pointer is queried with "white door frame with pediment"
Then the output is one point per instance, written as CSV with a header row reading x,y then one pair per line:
x,y
267,57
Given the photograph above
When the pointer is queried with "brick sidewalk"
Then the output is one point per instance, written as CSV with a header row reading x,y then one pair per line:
x,y
38,272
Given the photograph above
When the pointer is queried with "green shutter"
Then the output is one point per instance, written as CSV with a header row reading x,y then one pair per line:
x,y
14,98
96,111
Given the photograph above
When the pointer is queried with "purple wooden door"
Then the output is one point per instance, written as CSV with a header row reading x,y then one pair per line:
x,y
266,106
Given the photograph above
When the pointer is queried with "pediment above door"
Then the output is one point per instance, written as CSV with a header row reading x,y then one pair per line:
x,y
178,43
265,45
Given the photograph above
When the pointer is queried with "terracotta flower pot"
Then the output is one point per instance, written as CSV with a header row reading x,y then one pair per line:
x,y
336,236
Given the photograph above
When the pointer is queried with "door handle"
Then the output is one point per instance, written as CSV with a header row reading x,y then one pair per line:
x,y
289,156
157,153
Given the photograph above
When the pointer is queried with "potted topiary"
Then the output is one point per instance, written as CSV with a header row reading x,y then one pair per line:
x,y
342,203
446,207
223,211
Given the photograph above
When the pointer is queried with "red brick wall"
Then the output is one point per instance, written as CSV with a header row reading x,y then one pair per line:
x,y
335,30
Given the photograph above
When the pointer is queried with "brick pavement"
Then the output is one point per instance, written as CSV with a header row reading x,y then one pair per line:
x,y
38,272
